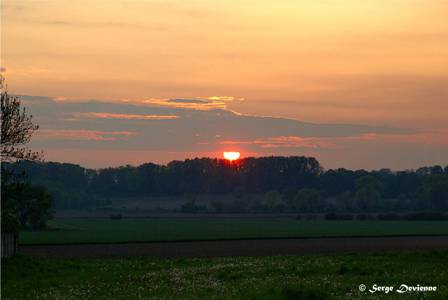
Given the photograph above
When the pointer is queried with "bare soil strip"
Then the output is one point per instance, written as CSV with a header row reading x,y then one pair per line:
x,y
238,247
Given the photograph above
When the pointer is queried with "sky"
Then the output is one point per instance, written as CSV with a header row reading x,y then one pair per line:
x,y
357,84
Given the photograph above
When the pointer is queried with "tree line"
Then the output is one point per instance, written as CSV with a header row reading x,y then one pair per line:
x,y
278,184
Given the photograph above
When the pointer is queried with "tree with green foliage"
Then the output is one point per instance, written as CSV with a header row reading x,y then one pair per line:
x,y
368,193
16,128
26,205
344,202
309,200
436,190
75,187
10,221
22,203
273,201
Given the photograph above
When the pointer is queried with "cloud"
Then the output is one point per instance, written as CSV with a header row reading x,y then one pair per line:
x,y
194,101
103,126
434,138
285,142
225,98
123,116
439,138
198,103
59,98
82,135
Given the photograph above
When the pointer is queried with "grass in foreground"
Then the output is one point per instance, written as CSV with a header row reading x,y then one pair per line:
x,y
97,230
276,277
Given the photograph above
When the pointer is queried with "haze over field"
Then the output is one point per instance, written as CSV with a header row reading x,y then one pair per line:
x,y
177,79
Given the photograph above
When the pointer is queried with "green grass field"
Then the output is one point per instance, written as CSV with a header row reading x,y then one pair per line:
x,y
277,277
97,230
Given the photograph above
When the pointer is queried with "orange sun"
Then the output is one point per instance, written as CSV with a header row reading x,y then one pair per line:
x,y
231,156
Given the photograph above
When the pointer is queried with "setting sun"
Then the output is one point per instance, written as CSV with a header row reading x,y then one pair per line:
x,y
231,155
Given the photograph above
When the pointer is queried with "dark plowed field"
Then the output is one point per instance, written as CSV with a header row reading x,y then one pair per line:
x,y
256,247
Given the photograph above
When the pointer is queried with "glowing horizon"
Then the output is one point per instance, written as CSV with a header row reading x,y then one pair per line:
x,y
231,155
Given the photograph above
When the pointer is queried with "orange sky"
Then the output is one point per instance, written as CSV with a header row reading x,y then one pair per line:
x,y
376,62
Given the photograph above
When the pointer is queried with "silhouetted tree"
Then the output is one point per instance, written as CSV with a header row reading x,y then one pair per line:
x,y
309,200
22,203
246,183
273,201
368,193
436,188
16,128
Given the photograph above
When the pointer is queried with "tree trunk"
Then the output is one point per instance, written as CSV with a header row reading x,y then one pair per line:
x,y
9,244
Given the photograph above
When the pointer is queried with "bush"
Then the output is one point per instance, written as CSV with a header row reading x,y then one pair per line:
x,y
116,217
334,216
298,217
289,293
10,222
365,217
310,217
192,207
309,200
389,217
426,216
343,269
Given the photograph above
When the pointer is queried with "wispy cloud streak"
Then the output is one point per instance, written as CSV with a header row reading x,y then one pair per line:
x,y
285,142
124,116
82,135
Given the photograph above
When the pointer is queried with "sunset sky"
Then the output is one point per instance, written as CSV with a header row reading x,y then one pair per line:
x,y
357,84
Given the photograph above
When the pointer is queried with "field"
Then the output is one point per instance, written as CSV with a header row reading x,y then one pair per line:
x,y
275,277
335,276
104,230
